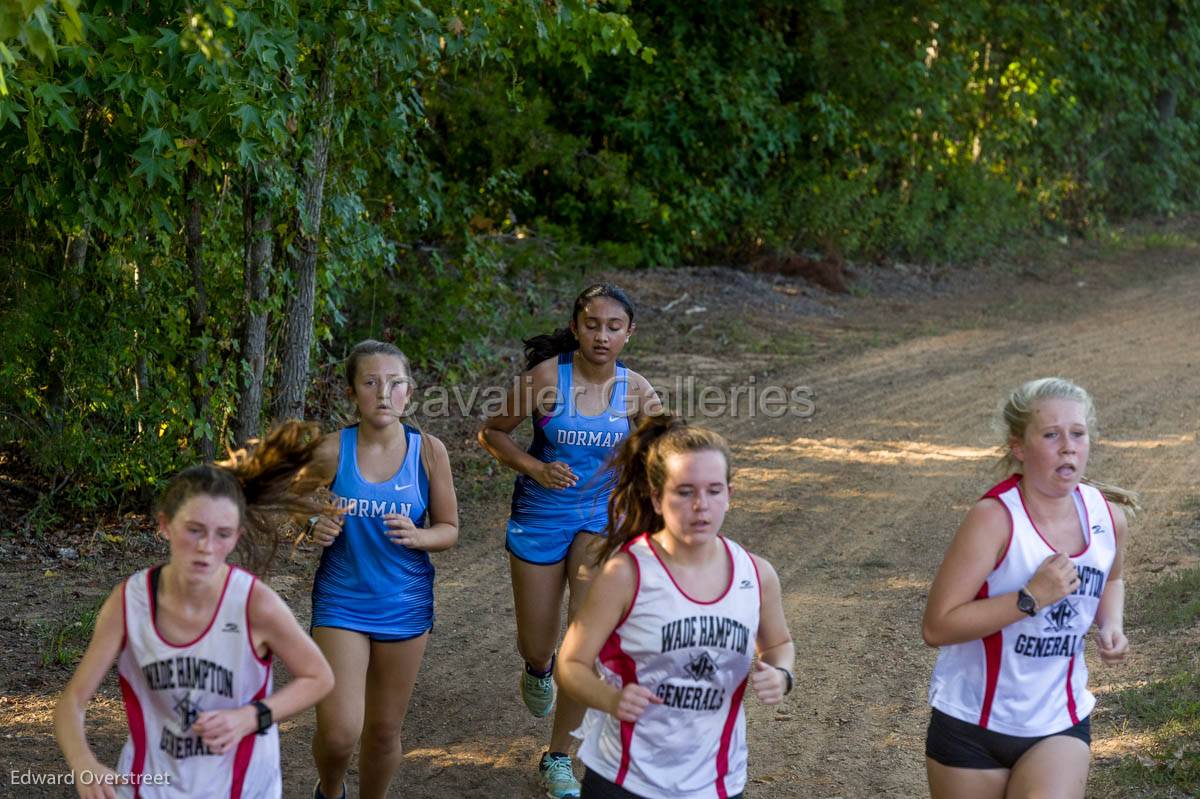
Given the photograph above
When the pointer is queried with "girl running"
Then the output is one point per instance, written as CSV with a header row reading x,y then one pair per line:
x,y
1036,561
194,642
672,625
582,401
372,600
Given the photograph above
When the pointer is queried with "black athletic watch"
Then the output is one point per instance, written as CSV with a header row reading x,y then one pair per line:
x,y
264,717
788,676
1026,603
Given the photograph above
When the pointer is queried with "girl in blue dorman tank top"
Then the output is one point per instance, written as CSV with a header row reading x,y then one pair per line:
x,y
372,599
582,402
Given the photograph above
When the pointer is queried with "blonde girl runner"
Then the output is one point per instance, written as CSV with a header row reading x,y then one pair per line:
x,y
1036,562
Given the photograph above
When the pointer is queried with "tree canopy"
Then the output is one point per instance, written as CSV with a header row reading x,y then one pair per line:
x,y
196,195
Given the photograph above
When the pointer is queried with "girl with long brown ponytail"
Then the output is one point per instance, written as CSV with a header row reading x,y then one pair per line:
x,y
194,639
673,625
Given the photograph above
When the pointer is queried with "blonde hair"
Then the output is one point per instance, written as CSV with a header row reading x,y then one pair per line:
x,y
640,468
1017,411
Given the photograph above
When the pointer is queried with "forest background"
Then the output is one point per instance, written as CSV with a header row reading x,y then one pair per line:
x,y
204,204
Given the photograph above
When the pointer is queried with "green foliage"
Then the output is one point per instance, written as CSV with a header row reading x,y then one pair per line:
x,y
931,131
62,643
1166,713
101,356
1170,603
473,148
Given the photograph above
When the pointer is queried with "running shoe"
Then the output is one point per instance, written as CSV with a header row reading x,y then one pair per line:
x,y
318,795
558,776
537,693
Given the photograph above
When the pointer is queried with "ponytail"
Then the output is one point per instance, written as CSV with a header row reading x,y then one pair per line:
x,y
1116,494
551,345
262,482
640,472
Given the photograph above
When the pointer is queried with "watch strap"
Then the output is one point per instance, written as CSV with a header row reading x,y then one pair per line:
x,y
787,674
265,718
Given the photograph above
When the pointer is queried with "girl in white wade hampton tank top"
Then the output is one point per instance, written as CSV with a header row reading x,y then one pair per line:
x,y
1036,561
194,642
672,624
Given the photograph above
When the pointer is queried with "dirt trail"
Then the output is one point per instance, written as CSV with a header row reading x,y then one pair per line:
x,y
854,508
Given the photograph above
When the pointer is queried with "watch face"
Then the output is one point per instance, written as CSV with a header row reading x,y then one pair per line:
x,y
1025,602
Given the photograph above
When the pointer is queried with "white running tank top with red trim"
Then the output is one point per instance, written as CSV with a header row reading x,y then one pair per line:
x,y
1030,678
696,657
166,686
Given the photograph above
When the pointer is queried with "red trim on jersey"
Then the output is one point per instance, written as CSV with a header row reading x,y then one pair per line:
x,y
124,614
728,553
1007,484
637,572
1087,523
196,640
1033,524
757,577
1071,693
1111,520
137,732
619,661
245,747
993,649
265,660
995,492
735,706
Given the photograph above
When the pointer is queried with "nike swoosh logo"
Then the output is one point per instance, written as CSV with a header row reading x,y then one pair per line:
x,y
401,488
615,418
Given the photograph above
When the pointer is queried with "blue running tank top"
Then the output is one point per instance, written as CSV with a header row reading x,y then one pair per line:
x,y
586,444
365,582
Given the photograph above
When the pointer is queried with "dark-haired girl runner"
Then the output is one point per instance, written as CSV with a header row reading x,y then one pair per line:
x,y
373,592
583,402
194,642
672,625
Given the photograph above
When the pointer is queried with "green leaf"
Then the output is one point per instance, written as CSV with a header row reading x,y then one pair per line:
x,y
157,138
247,152
249,117
152,99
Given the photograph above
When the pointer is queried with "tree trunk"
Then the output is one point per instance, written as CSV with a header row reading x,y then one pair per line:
x,y
256,231
1167,97
74,260
302,257
197,316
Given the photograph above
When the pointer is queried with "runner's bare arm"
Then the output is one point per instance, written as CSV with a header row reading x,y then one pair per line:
x,y
954,613
648,402
774,641
606,603
442,532
71,707
276,632
1110,616
495,435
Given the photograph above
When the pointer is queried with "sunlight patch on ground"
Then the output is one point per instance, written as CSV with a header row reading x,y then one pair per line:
x,y
35,712
515,755
1149,443
907,584
1122,744
865,451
